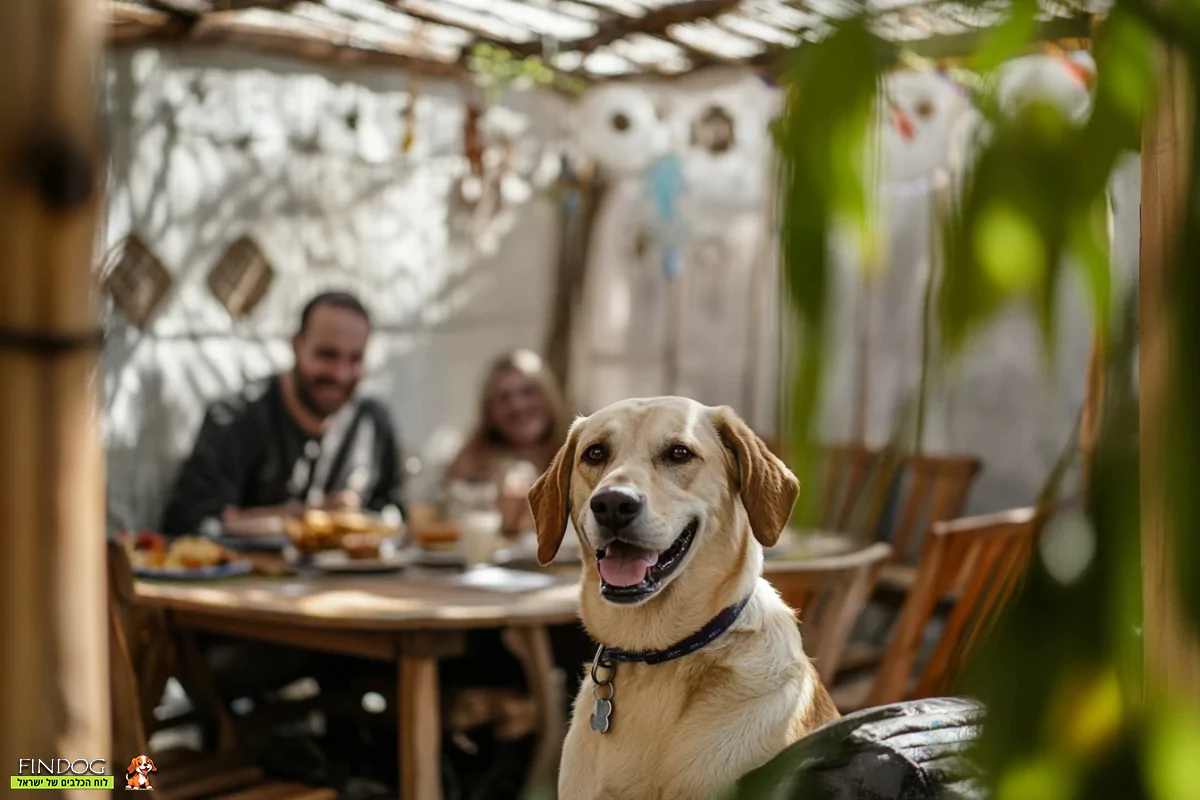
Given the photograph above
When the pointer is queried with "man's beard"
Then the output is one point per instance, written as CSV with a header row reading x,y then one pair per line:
x,y
304,393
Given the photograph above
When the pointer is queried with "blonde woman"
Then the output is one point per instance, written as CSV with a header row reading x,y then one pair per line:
x,y
522,423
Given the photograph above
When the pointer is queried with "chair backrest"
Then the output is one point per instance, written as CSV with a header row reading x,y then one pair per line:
x,y
828,594
846,475
978,561
855,482
935,489
128,715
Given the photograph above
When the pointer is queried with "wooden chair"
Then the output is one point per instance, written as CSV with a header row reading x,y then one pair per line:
x,y
844,473
828,595
847,472
934,489
143,654
976,561
856,481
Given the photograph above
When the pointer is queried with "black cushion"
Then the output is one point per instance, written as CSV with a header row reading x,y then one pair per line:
x,y
906,751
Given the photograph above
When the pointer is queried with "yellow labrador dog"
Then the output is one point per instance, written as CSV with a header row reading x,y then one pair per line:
x,y
701,675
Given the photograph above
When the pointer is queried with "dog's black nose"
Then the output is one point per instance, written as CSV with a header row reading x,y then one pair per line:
x,y
617,506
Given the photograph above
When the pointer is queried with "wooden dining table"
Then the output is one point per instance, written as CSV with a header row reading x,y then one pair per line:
x,y
413,619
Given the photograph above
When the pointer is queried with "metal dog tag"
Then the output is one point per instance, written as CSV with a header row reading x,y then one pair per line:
x,y
601,714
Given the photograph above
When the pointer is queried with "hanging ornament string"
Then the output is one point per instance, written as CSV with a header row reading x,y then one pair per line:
x,y
410,115
414,91
472,140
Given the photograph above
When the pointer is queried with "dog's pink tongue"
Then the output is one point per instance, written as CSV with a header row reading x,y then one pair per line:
x,y
626,565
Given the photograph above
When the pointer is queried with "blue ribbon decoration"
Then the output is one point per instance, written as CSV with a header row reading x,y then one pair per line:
x,y
663,185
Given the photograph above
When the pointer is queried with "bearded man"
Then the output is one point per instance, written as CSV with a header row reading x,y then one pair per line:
x,y
295,440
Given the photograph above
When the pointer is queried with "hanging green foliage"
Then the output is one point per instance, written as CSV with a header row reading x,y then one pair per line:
x,y
495,68
1062,672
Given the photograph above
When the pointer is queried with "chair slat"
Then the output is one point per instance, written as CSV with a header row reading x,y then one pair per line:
x,y
982,560
829,594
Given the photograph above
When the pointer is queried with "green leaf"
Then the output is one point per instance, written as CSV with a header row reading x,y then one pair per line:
x,y
1008,39
822,138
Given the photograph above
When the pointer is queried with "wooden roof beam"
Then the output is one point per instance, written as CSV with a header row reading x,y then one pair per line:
x,y
239,5
654,22
129,22
502,32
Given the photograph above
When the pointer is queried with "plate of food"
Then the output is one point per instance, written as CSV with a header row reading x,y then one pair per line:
x,y
357,553
436,543
317,531
185,558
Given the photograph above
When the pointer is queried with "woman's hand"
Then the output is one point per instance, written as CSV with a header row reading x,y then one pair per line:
x,y
515,514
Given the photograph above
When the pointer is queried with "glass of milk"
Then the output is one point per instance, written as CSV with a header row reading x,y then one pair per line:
x,y
479,534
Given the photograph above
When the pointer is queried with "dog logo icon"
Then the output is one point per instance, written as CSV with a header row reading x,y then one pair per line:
x,y
137,774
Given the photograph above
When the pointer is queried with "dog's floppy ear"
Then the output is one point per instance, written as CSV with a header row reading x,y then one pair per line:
x,y
550,499
152,767
132,768
767,487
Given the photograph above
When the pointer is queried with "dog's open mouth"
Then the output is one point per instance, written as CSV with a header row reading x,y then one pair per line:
x,y
629,573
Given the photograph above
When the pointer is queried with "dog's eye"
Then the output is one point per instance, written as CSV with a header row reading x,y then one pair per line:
x,y
595,454
680,454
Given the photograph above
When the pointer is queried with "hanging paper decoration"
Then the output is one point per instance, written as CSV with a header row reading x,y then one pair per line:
x,y
569,184
472,139
1054,77
664,186
721,133
241,278
136,280
713,131
409,117
918,111
620,129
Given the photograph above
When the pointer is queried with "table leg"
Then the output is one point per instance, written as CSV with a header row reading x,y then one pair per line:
x,y
198,684
420,728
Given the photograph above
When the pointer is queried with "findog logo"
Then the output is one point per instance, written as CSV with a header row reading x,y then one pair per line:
x,y
61,773
137,774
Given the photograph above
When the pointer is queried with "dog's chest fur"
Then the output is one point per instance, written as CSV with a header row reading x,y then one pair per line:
x,y
690,727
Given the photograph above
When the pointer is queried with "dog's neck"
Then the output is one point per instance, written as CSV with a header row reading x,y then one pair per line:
x,y
685,605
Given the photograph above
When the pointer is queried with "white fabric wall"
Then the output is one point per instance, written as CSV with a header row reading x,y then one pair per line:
x,y
1004,402
728,344
211,145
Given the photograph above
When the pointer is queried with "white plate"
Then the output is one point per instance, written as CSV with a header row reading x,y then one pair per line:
x,y
229,569
499,579
437,558
337,561
523,553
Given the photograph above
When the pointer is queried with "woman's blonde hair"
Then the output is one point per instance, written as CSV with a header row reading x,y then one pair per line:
x,y
487,439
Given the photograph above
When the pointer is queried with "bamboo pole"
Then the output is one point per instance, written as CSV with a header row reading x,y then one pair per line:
x,y
1172,652
53,668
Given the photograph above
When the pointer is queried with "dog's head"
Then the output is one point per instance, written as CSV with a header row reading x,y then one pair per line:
x,y
141,764
667,496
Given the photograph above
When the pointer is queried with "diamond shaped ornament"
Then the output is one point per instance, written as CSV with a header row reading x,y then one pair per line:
x,y
241,278
136,280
